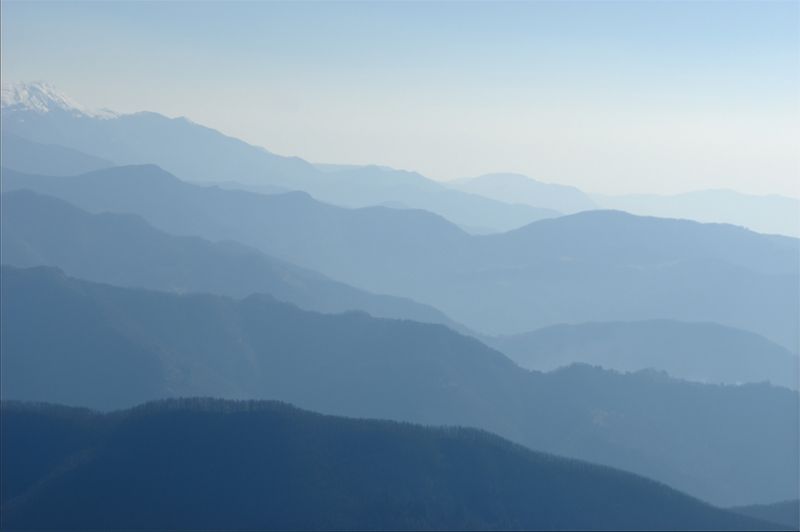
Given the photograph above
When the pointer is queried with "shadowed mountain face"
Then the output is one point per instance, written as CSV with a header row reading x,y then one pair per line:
x,y
517,188
124,250
198,153
81,343
593,266
262,465
703,352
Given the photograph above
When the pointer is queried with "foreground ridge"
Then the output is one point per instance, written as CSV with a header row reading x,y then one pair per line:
x,y
235,465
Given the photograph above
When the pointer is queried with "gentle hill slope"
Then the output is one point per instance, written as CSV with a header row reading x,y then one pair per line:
x,y
268,466
766,214
616,237
786,513
81,343
704,352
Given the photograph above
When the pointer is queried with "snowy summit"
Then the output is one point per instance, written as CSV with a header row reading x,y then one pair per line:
x,y
41,97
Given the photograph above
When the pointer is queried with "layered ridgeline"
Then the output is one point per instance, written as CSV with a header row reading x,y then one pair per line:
x,y
41,114
517,188
80,343
591,266
211,465
122,249
704,352
772,214
494,202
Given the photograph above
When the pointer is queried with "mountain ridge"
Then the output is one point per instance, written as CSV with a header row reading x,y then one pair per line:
x,y
519,188
591,266
122,249
276,462
703,352
117,347
201,154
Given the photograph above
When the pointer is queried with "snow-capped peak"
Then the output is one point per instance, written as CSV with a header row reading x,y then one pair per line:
x,y
41,97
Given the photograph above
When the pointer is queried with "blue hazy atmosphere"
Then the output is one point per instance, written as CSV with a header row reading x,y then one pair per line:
x,y
613,97
400,266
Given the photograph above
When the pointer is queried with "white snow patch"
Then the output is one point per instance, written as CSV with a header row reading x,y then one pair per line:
x,y
41,97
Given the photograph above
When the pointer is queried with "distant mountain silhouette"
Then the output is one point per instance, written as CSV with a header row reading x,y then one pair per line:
x,y
124,250
197,153
615,237
786,513
366,186
27,156
490,203
80,343
186,148
374,185
269,466
765,214
518,188
375,241
704,352
591,266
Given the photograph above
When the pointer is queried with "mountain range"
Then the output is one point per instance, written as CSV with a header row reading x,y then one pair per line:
x,y
490,203
124,250
107,347
39,113
147,258
770,214
590,266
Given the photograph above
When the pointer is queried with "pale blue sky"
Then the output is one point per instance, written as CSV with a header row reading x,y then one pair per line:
x,y
611,97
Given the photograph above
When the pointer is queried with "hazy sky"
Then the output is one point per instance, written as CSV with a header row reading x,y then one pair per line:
x,y
611,97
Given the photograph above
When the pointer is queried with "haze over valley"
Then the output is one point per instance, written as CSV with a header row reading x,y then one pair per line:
x,y
554,321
